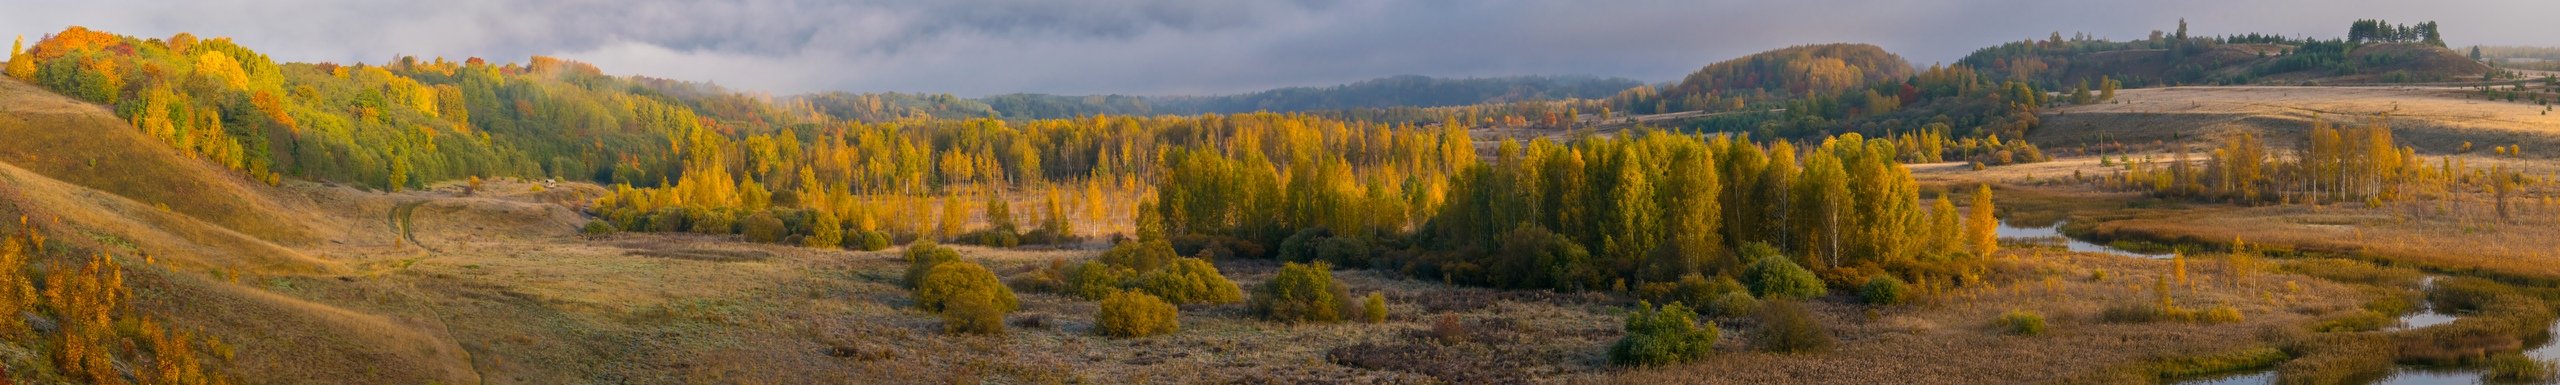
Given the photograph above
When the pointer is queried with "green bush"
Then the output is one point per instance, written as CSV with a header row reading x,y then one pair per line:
x,y
597,229
1140,256
714,222
1374,310
1135,314
1732,304
1532,257
825,232
870,240
1779,278
976,312
1093,280
667,220
968,297
1692,289
1883,290
1300,293
1786,327
2021,322
1343,251
763,227
1666,336
1301,246
923,256
1190,281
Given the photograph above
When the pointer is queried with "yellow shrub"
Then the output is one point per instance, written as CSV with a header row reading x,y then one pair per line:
x,y
1136,314
954,281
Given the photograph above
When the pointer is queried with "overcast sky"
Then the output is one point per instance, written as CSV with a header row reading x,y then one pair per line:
x,y
981,47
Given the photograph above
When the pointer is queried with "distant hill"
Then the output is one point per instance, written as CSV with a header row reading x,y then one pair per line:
x,y
1799,70
2058,63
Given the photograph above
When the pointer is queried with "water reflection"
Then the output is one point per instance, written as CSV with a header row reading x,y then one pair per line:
x,y
2053,233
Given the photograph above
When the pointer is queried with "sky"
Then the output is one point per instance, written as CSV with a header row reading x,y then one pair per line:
x,y
1168,47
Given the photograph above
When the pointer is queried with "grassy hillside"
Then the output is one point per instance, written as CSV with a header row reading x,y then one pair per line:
x,y
86,145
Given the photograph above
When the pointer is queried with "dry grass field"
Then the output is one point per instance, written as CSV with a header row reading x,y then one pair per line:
x,y
2435,120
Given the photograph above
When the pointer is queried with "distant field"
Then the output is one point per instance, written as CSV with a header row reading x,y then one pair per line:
x,y
2434,120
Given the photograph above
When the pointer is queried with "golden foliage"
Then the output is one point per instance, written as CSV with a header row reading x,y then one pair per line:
x,y
221,69
1130,313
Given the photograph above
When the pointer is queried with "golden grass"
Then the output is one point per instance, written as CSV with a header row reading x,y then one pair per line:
x,y
87,145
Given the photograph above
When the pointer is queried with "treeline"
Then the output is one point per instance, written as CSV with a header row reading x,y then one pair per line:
x,y
2371,30
1602,213
894,106
1399,92
2357,163
1955,101
397,125
2058,62
1621,211
854,178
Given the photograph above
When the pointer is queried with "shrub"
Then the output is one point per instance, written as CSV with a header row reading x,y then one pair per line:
x,y
1049,278
1448,329
762,228
1343,251
2222,314
2135,312
667,220
870,240
923,256
826,232
714,222
990,238
1299,293
1135,314
2021,322
959,280
1732,304
1692,289
2511,368
1374,310
1095,280
1666,336
1777,278
1301,246
1883,290
1190,281
1140,256
976,313
1785,327
1531,257
596,229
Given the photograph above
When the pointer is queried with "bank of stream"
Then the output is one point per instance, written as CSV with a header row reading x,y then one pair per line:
x,y
2424,316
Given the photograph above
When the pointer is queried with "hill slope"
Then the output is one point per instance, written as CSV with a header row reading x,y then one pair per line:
x,y
87,145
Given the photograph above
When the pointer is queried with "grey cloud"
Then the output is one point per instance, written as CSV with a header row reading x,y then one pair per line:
x,y
977,47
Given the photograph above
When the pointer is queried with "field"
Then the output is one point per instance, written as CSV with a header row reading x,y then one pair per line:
x,y
2434,120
